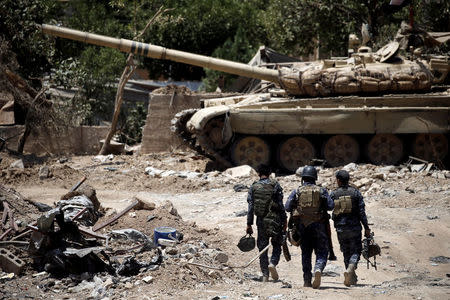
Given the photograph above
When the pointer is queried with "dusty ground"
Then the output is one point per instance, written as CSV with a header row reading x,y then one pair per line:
x,y
410,213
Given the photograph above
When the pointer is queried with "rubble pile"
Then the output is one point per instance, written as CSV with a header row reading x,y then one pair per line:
x,y
76,244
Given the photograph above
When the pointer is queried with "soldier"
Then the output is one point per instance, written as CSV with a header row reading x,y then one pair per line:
x,y
265,201
348,215
308,206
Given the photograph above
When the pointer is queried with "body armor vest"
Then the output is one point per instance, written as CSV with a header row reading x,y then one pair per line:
x,y
345,202
308,208
262,196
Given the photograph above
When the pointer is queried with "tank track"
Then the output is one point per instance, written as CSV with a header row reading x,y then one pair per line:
x,y
199,141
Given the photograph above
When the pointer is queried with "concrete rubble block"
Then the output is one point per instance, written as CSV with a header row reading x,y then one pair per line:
x,y
381,176
362,182
350,167
241,171
10,263
148,279
170,208
144,204
44,172
18,164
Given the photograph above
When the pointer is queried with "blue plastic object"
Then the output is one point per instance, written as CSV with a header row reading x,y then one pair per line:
x,y
164,232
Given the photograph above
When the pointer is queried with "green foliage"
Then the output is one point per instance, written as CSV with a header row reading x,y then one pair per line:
x,y
131,130
18,19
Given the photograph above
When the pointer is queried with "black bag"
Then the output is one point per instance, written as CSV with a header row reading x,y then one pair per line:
x,y
246,243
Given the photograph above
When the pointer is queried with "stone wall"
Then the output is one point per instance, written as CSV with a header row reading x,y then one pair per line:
x,y
78,140
157,136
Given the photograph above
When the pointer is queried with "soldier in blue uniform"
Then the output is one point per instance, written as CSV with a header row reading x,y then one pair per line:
x,y
348,215
308,206
265,200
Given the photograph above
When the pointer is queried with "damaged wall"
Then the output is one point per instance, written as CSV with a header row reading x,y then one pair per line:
x,y
157,136
77,140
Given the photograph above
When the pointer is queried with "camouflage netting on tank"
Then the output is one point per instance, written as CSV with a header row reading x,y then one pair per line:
x,y
357,79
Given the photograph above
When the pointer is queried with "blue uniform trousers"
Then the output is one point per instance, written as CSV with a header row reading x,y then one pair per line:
x,y
262,241
351,246
314,237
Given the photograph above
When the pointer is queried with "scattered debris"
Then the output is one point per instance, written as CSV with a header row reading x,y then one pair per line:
x,y
440,259
240,188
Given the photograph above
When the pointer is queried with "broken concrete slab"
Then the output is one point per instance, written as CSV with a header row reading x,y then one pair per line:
x,y
241,171
144,204
44,172
18,164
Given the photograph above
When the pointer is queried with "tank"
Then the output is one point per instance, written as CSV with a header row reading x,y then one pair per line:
x,y
378,107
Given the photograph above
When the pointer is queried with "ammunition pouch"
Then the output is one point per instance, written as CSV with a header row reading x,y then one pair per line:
x,y
343,205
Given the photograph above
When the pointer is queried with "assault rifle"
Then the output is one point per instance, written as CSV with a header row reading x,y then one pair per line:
x,y
370,249
284,246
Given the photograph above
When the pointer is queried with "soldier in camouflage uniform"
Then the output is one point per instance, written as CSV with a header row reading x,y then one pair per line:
x,y
265,200
348,215
308,206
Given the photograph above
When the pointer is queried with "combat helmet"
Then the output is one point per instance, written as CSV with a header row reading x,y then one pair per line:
x,y
246,243
309,172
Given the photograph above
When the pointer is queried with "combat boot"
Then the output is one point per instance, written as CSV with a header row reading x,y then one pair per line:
x,y
273,272
349,275
317,279
307,283
265,278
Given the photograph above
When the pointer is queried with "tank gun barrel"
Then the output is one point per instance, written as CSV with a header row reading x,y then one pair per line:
x,y
159,52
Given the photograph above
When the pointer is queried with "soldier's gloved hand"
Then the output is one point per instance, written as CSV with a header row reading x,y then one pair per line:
x,y
367,232
249,229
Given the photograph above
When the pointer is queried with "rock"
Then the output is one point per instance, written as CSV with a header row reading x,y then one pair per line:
x,y
432,217
363,182
108,283
221,257
387,169
440,175
128,285
148,279
241,213
240,188
350,167
213,274
440,259
189,248
144,204
63,160
381,176
18,164
132,214
170,208
44,172
241,171
172,251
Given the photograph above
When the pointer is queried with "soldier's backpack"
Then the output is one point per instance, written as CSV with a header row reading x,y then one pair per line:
x,y
262,196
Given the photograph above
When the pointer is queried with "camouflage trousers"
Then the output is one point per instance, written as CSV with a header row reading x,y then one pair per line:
x,y
262,242
351,246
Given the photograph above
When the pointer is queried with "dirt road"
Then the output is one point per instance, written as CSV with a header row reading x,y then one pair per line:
x,y
409,212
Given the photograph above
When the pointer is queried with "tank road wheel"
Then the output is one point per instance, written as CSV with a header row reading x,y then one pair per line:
x,y
250,150
340,150
295,152
213,130
430,147
385,149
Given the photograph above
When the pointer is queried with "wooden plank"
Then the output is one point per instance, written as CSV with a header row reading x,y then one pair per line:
x,y
114,218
